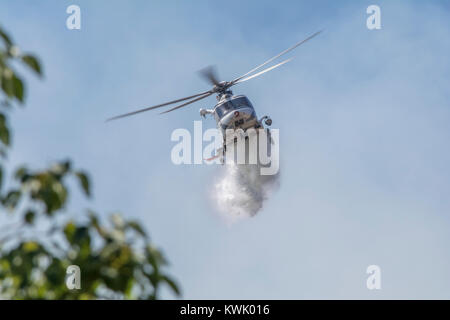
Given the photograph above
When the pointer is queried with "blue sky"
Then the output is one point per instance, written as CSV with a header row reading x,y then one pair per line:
x,y
363,118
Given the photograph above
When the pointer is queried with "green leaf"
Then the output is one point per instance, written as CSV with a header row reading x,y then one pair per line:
x,y
84,181
33,63
137,227
129,288
20,173
4,131
5,38
12,86
18,88
93,218
172,285
30,246
12,199
69,231
29,217
61,168
7,82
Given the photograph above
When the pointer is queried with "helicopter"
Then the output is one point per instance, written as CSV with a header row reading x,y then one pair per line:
x,y
231,111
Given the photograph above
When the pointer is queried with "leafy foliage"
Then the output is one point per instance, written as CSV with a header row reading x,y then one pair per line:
x,y
116,259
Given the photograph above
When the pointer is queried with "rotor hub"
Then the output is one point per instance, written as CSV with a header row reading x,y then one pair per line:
x,y
221,87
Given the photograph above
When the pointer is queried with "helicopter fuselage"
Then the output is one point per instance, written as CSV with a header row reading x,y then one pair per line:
x,y
235,112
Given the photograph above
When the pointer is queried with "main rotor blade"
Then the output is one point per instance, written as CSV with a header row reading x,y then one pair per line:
x,y
263,71
278,55
157,106
189,102
210,74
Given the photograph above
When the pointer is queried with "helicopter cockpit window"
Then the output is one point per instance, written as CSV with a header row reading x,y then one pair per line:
x,y
236,103
223,109
241,102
